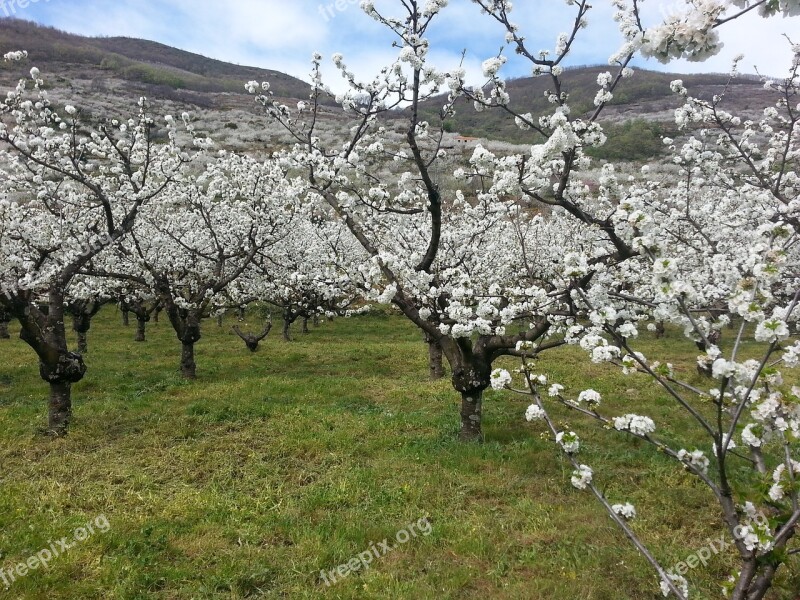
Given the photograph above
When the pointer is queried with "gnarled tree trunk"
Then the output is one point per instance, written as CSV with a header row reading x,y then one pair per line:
x,y
289,317
42,328
435,364
186,324
4,322
82,313
141,326
142,310
188,365
471,376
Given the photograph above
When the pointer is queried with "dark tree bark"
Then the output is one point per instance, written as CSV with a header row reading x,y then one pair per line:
x,y
60,408
141,326
290,315
156,313
5,319
471,416
286,324
660,330
219,320
316,320
471,362
83,311
471,365
251,340
186,324
125,317
83,345
241,313
142,310
188,365
305,325
43,329
434,358
471,376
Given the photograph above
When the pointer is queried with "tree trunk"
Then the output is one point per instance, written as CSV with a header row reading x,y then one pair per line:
x,y
471,375
434,358
188,366
219,320
471,412
305,325
141,324
241,313
125,319
316,320
60,412
186,324
155,315
286,324
4,330
83,346
42,328
81,323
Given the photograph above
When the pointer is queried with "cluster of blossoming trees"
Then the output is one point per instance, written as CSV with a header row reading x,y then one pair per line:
x,y
520,258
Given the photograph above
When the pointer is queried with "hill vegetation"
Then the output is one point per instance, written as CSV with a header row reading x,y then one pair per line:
x,y
644,102
639,115
136,60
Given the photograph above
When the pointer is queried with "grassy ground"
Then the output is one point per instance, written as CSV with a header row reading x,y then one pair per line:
x,y
274,466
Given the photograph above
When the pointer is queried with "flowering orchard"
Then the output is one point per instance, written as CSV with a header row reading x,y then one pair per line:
x,y
518,258
69,194
524,241
718,249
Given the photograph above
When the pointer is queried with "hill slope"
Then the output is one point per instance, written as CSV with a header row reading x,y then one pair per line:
x,y
137,61
646,96
108,74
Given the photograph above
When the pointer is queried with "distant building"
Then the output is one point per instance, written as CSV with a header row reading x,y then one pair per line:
x,y
463,140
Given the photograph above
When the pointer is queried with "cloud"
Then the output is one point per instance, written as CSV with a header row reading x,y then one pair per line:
x,y
282,34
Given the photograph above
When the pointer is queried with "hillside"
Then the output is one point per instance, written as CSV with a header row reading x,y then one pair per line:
x,y
643,105
141,62
109,74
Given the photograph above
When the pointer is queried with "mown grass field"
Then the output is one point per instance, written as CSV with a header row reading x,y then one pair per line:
x,y
274,466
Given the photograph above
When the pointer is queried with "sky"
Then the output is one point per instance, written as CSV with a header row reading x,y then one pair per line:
x,y
283,34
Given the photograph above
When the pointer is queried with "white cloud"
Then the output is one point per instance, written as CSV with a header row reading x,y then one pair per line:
x,y
282,34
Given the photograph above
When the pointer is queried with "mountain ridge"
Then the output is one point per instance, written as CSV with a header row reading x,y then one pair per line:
x,y
108,72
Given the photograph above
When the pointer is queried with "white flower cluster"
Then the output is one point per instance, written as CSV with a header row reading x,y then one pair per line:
x,y
500,379
590,397
679,581
636,424
626,511
568,441
582,477
534,413
696,458
782,479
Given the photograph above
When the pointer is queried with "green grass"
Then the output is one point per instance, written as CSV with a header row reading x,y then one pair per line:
x,y
274,466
